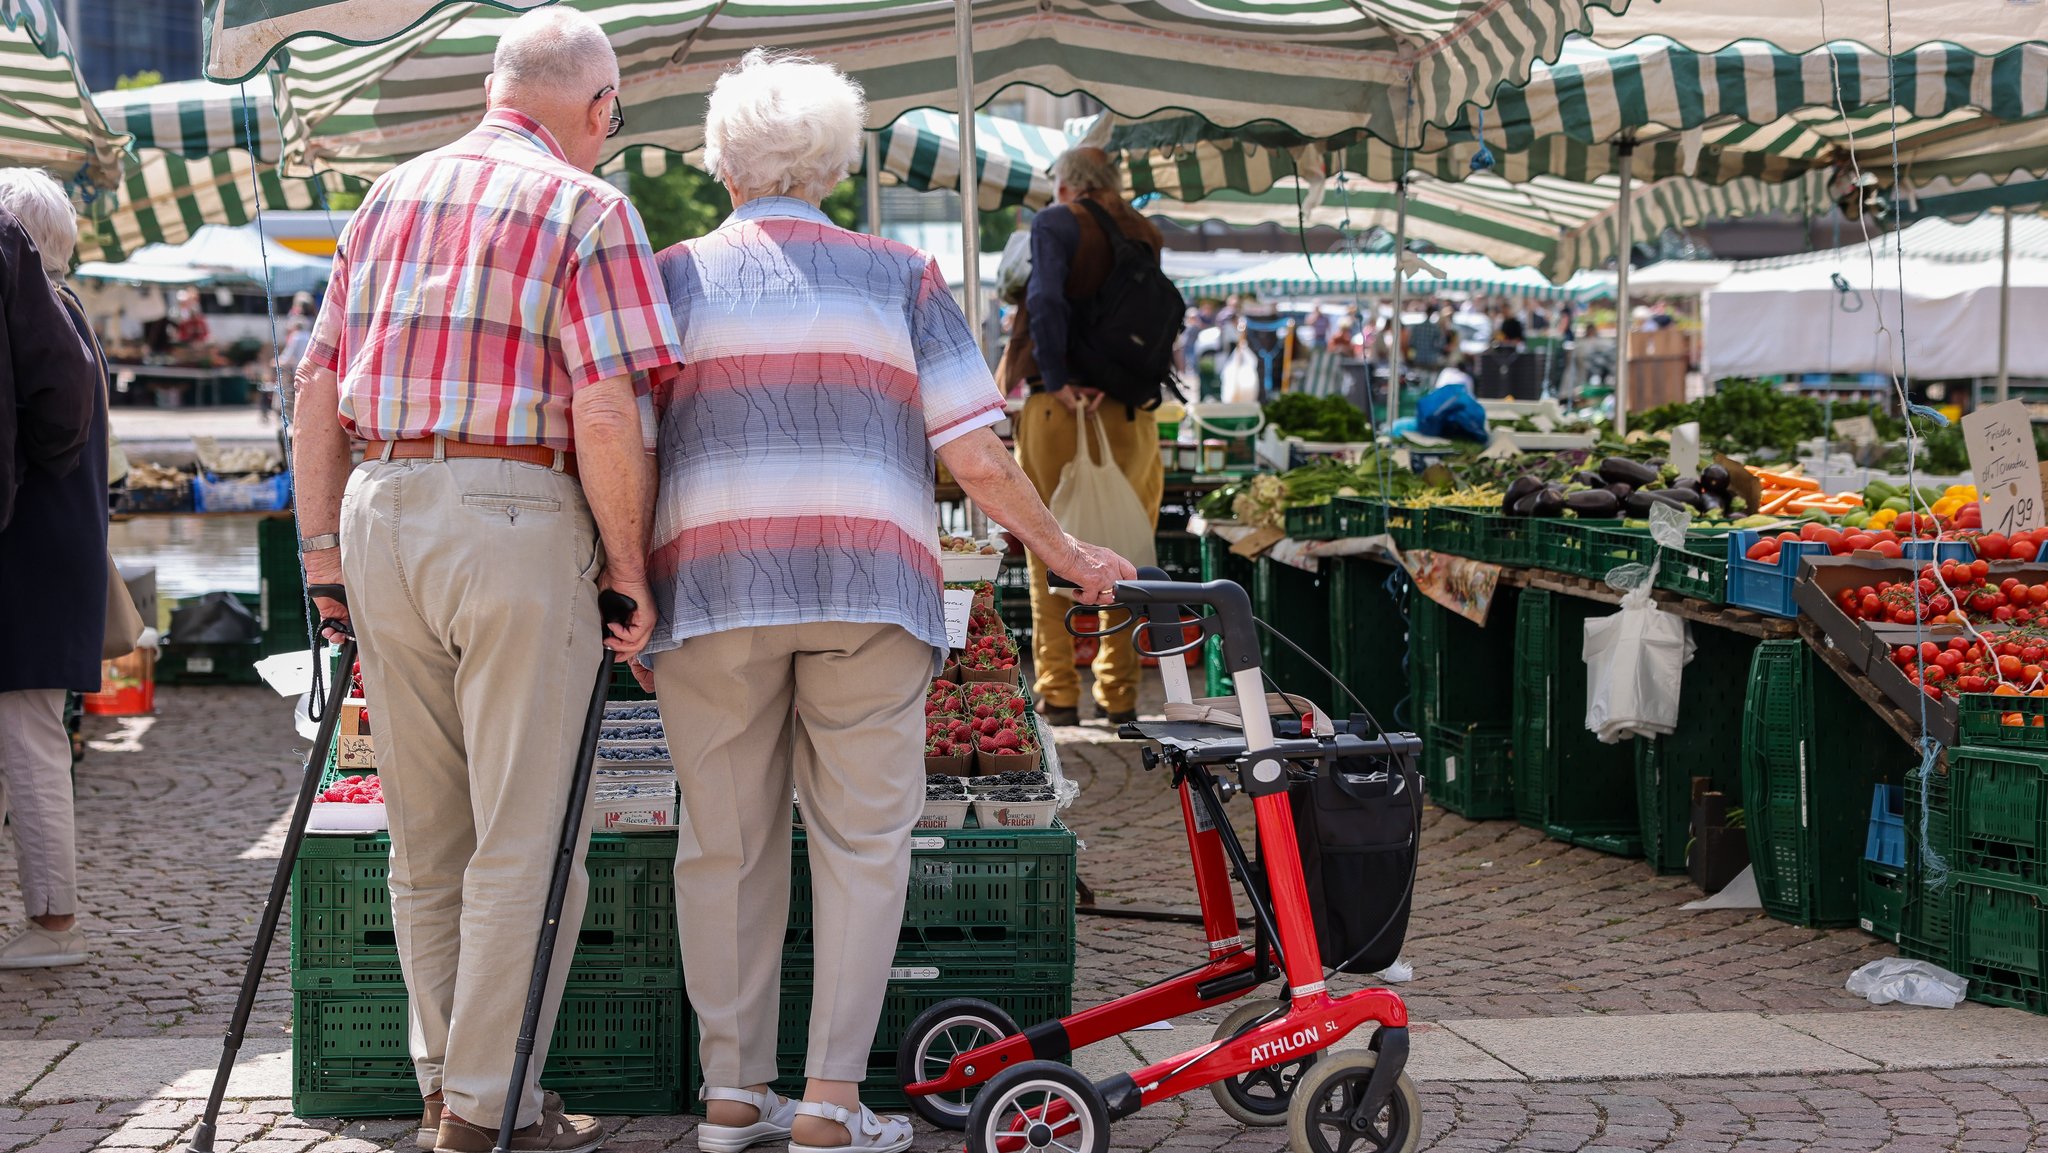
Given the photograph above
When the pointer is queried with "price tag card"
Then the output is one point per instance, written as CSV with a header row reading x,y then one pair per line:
x,y
959,603
2000,439
1857,430
1685,448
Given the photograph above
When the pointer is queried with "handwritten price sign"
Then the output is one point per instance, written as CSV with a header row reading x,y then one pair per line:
x,y
2000,438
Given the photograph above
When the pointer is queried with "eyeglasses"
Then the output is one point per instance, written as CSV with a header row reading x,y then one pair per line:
x,y
618,120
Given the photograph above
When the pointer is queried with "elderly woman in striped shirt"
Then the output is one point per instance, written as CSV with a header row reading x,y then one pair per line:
x,y
796,570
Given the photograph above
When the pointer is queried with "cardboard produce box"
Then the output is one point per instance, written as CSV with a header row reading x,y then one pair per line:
x,y
354,746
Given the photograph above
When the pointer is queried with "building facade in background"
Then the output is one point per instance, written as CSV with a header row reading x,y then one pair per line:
x,y
117,38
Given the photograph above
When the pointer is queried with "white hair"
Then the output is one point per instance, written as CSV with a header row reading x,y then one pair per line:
x,y
40,203
783,125
1087,170
554,54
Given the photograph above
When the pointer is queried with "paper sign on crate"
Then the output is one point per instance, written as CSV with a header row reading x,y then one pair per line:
x,y
959,606
2000,438
355,748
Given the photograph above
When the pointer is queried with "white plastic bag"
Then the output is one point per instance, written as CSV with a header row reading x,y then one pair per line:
x,y
1909,983
1013,271
1634,660
1096,503
1243,378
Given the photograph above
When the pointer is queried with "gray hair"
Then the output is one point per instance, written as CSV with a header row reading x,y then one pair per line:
x,y
40,203
554,53
783,125
1087,170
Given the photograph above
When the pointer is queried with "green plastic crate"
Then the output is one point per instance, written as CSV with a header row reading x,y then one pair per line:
x,y
1998,813
1928,910
1563,544
1567,782
225,663
1310,522
1610,547
1358,516
1470,770
1179,553
910,993
977,897
1369,640
1706,743
1810,754
1981,721
342,936
1219,563
2001,942
614,1052
1460,672
1881,899
1458,531
1699,570
1296,604
281,587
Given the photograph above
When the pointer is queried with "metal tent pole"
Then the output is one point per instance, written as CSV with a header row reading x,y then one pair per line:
x,y
970,170
1624,250
2004,303
872,182
1400,247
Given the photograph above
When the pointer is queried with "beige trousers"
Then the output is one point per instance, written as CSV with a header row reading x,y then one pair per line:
x,y
35,797
854,750
1046,443
472,584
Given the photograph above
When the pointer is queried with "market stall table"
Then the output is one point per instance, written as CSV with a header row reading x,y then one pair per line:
x,y
205,382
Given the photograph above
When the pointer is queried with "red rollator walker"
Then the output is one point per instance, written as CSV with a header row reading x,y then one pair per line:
x,y
967,1065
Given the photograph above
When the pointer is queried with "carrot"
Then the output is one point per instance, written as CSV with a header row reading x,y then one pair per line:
x,y
1849,498
1817,505
1787,480
1776,501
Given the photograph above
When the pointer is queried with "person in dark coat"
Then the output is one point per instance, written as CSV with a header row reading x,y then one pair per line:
x,y
53,553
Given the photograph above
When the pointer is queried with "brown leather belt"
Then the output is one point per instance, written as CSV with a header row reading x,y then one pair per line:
x,y
426,448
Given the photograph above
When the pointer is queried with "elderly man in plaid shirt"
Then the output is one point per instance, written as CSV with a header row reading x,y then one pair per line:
x,y
494,317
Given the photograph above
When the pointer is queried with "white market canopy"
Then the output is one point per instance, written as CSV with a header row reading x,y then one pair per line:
x,y
217,256
1351,274
1679,277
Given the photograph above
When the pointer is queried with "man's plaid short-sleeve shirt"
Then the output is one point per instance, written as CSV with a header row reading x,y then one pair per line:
x,y
481,286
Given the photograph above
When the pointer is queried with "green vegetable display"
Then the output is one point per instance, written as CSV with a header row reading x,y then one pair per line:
x,y
1321,419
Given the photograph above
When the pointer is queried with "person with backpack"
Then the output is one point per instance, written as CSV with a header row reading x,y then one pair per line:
x,y
1095,335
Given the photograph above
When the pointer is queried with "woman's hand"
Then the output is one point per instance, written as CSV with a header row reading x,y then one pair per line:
x,y
1094,571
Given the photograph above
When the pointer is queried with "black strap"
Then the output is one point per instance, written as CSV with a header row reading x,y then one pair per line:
x,y
1117,240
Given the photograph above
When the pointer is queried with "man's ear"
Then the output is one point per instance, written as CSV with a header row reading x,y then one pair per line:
x,y
488,78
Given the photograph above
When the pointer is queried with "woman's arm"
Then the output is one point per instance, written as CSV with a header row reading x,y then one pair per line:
x,y
991,478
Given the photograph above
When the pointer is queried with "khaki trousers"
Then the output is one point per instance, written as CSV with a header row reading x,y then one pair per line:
x,y
853,747
35,797
1046,443
472,585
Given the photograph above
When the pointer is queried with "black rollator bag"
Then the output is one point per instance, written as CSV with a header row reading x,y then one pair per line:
x,y
1122,338
1358,825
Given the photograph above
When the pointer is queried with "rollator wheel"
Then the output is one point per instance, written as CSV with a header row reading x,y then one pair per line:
x,y
1325,1116
939,1034
1038,1107
1260,1096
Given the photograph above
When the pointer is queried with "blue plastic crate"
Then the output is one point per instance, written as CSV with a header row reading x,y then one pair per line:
x,y
1886,843
1766,588
1938,551
268,494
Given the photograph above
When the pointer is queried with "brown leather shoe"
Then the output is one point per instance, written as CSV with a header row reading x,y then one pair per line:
x,y
555,1132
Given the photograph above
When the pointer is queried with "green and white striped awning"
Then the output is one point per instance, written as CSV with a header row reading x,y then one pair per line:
x,y
166,198
1372,274
196,118
1320,67
47,118
922,150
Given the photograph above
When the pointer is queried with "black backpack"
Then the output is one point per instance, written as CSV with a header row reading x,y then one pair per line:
x,y
1122,337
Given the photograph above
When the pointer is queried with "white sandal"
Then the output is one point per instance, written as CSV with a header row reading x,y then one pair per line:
x,y
869,1133
776,1115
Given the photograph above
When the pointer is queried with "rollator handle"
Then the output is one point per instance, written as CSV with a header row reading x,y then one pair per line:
x,y
1232,619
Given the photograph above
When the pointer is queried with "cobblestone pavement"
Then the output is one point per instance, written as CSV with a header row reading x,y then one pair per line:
x,y
179,826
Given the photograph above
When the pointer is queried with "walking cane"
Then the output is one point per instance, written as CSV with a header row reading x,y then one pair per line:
x,y
273,906
616,608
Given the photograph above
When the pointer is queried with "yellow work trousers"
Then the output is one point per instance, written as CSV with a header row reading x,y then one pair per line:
x,y
1046,442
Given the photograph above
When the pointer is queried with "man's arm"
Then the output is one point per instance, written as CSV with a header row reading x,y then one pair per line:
x,y
1055,238
321,459
991,479
618,480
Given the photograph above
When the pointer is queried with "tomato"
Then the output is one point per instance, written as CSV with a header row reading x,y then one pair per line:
x,y
2023,550
1949,660
1993,546
1907,524
1929,650
1941,605
2005,691
1972,684
1932,673
1788,538
1762,550
2008,666
1974,653
1870,604
1959,644
1811,530
1927,587
2032,654
1984,603
1948,572
1858,541
1902,616
1980,568
1889,549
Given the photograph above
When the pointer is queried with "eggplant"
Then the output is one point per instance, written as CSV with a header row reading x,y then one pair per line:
x,y
1714,478
1594,503
1683,496
1621,490
1526,506
1549,503
1589,478
1639,503
1523,486
1717,503
1625,471
1688,483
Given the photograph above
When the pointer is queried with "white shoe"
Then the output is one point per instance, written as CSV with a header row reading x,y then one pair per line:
x,y
869,1133
777,1113
34,947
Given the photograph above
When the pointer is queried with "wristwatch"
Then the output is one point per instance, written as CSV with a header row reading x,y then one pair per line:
x,y
316,543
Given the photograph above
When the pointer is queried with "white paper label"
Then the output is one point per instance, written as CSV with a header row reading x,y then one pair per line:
x,y
1857,430
927,842
959,603
2000,438
1450,769
1685,448
198,664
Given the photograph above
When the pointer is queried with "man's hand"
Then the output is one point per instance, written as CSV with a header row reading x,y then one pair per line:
x,y
323,567
626,641
1078,399
642,676
1094,569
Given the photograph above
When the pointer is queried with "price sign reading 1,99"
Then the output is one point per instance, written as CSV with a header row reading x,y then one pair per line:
x,y
2000,439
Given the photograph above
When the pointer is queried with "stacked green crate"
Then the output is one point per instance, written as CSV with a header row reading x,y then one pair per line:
x,y
618,1040
1294,603
1459,689
1926,902
1369,639
1179,554
1706,743
990,914
1469,769
1567,782
282,588
1998,849
1219,563
1810,754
